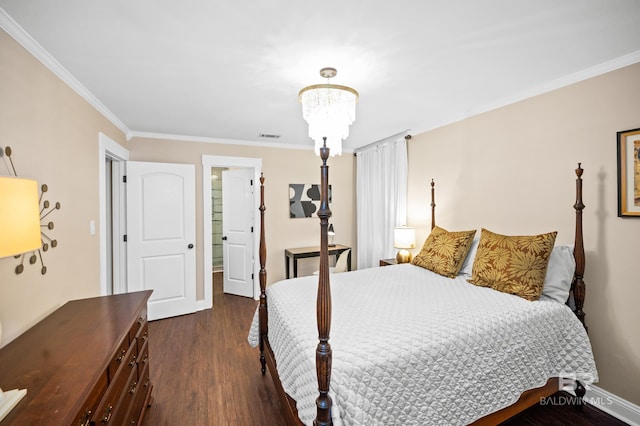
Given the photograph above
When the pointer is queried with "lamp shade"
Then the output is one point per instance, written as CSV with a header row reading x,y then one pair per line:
x,y
19,216
404,237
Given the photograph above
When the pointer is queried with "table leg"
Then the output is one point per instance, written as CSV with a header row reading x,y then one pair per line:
x,y
286,266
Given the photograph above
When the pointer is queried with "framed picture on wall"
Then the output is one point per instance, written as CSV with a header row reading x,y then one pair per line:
x,y
629,173
304,199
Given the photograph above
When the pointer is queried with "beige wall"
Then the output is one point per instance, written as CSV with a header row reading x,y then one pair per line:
x,y
512,171
53,133
280,167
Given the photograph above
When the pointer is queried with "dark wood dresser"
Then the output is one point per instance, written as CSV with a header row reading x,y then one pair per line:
x,y
86,363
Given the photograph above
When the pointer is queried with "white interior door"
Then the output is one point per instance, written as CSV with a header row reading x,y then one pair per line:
x,y
161,236
237,228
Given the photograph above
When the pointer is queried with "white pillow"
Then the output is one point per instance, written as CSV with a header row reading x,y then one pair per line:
x,y
557,282
467,265
562,266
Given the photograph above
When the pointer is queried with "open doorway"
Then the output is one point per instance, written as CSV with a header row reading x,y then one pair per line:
x,y
254,167
216,219
111,166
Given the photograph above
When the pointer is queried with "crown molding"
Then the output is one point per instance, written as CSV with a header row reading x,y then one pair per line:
x,y
203,139
25,40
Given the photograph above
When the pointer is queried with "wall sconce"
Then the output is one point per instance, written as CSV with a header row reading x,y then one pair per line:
x,y
404,238
331,233
13,237
20,231
19,216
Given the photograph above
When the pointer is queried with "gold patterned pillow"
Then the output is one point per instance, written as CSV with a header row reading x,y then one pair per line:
x,y
443,252
513,264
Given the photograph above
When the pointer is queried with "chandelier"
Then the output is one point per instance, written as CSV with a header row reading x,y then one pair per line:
x,y
329,109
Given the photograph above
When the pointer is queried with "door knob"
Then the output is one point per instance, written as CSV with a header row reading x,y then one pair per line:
x,y
190,246
224,238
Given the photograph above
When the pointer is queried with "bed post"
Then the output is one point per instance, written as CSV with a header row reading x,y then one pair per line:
x,y
262,310
578,251
578,282
323,308
433,204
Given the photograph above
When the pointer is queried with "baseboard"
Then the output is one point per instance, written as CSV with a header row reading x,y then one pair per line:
x,y
612,404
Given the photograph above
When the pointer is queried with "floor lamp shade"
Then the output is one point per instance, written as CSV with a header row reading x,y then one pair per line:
x,y
19,216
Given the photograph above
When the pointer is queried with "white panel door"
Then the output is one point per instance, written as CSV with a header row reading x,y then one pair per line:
x,y
161,236
237,223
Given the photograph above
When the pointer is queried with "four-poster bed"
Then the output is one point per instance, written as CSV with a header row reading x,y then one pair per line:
x,y
379,353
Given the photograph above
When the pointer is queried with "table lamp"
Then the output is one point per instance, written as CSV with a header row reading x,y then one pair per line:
x,y
331,233
20,231
404,238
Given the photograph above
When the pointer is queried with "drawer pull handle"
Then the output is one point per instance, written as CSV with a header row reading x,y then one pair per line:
x,y
146,383
140,320
133,361
144,337
133,388
84,421
107,414
121,355
145,359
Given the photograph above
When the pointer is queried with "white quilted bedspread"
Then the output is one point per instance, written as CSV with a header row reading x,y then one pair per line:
x,y
411,347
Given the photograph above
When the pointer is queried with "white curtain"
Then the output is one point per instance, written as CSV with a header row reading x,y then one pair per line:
x,y
381,196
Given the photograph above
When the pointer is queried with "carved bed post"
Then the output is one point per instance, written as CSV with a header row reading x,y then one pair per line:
x,y
578,251
262,313
323,309
578,282
433,204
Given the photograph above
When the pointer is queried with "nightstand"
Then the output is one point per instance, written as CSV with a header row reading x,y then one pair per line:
x,y
387,262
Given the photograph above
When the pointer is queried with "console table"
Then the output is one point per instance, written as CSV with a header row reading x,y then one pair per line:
x,y
86,363
304,252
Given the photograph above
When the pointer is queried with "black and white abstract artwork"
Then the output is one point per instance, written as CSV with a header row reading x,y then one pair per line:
x,y
304,199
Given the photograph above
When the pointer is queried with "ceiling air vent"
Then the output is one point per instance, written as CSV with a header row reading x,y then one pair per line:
x,y
268,136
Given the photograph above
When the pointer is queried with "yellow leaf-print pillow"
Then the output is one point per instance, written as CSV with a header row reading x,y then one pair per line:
x,y
513,264
443,252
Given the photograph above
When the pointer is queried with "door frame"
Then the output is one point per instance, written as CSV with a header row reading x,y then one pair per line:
x,y
209,161
109,149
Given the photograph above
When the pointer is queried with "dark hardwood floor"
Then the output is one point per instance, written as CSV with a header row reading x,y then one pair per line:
x,y
205,373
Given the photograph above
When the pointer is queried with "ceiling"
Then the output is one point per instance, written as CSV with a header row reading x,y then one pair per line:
x,y
232,70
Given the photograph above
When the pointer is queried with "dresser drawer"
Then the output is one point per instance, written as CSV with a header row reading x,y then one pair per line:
x,y
143,357
143,336
140,321
141,394
117,386
125,403
89,407
119,358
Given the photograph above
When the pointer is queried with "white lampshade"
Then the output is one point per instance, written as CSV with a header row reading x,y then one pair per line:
x,y
404,237
19,216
